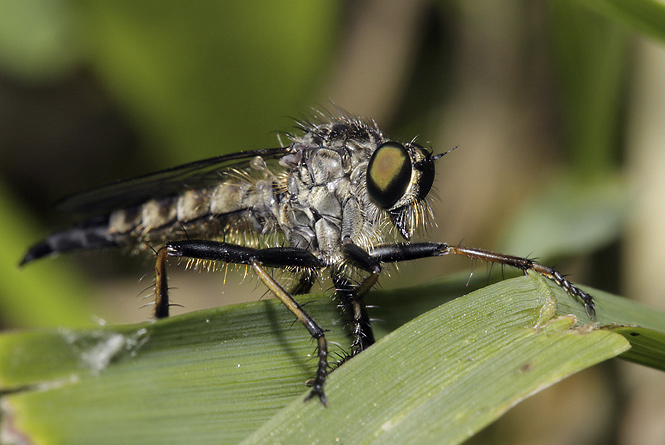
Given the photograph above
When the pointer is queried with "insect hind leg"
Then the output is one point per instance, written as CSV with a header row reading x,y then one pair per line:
x,y
161,285
258,259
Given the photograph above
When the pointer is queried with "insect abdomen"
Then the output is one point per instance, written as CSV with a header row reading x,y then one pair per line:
x,y
190,212
91,234
193,213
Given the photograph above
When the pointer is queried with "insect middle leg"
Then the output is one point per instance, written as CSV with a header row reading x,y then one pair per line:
x,y
354,308
258,259
351,296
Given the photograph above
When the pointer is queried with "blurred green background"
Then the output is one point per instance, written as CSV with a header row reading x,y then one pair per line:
x,y
557,108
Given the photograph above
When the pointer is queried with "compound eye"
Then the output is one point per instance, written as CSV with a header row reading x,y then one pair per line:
x,y
388,174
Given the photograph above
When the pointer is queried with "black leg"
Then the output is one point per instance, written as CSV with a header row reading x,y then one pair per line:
x,y
351,296
526,264
258,259
284,257
354,308
406,252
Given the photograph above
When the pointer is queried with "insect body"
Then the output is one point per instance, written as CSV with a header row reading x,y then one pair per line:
x,y
340,198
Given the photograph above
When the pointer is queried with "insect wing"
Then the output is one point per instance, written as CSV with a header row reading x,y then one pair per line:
x,y
161,184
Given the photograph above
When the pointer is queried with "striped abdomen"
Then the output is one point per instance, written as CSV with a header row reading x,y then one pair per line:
x,y
194,213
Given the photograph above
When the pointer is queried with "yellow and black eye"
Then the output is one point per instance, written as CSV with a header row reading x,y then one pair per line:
x,y
388,174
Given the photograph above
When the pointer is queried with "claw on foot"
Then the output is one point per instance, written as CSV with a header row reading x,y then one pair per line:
x,y
317,391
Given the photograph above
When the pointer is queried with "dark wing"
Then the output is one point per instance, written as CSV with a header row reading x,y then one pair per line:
x,y
161,184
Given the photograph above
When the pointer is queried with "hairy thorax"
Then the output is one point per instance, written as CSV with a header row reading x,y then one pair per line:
x,y
326,201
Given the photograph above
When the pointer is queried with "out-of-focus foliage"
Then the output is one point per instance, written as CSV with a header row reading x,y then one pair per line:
x,y
204,78
643,16
39,40
195,80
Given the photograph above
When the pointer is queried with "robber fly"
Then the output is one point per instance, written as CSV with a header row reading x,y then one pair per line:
x,y
340,197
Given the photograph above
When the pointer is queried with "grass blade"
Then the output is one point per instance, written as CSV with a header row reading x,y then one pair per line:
x,y
226,374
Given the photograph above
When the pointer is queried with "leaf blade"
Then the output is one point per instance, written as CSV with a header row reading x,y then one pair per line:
x,y
456,402
185,383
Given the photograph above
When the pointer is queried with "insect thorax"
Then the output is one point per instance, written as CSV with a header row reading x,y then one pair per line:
x,y
326,199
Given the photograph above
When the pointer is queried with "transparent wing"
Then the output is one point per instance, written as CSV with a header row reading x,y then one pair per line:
x,y
161,184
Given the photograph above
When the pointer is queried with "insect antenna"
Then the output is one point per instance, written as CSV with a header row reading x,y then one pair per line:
x,y
440,155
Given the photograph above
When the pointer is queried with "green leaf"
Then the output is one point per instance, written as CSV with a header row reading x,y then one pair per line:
x,y
450,372
226,371
43,295
225,374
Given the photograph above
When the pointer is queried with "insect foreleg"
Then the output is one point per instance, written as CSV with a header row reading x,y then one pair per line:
x,y
395,253
406,252
526,264
258,259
